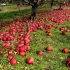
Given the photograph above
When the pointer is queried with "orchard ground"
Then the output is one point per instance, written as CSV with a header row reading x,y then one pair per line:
x,y
48,29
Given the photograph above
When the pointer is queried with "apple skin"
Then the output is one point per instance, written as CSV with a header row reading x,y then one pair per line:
x,y
68,63
40,53
65,50
13,61
47,31
22,49
30,60
10,51
63,32
10,56
22,53
48,48
49,34
62,29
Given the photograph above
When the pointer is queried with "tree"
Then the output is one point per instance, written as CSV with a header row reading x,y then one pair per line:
x,y
34,4
59,2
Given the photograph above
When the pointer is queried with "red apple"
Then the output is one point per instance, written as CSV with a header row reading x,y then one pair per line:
x,y
49,48
10,56
40,53
13,61
68,63
65,50
63,32
4,38
22,49
22,53
47,31
10,51
49,34
7,45
8,38
30,60
62,29
17,49
27,47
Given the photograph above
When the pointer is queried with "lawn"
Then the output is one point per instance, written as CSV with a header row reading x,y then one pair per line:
x,y
11,12
35,36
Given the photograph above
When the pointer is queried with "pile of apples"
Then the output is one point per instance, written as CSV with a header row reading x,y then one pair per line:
x,y
16,36
58,16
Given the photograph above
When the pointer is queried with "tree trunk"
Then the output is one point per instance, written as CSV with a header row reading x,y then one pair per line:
x,y
33,14
52,2
60,7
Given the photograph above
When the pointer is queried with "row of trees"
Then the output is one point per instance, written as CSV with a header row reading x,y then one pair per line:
x,y
33,3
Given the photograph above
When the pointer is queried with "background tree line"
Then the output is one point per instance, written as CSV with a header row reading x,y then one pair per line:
x,y
34,4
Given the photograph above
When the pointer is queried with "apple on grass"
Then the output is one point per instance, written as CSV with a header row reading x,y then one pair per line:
x,y
65,50
30,60
13,61
22,53
40,53
68,63
49,48
10,56
49,34
63,32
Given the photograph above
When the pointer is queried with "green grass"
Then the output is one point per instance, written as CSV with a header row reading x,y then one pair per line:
x,y
11,15
19,14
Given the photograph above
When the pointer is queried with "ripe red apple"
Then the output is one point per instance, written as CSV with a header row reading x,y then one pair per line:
x,y
30,37
67,30
8,38
19,45
17,49
21,42
49,34
30,60
7,45
62,29
10,51
22,49
63,32
47,31
13,61
22,53
4,38
10,56
27,47
68,63
40,53
49,48
65,50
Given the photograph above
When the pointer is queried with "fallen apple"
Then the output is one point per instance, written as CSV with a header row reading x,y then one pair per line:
x,y
49,48
13,61
10,51
65,50
63,32
10,56
49,34
68,63
30,60
40,53
22,53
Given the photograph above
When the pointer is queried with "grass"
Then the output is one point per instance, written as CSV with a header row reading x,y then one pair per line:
x,y
13,15
19,14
